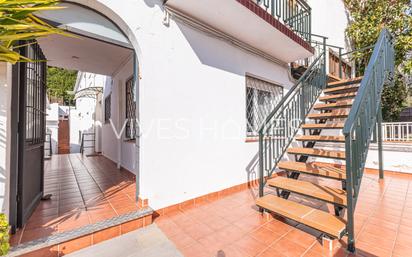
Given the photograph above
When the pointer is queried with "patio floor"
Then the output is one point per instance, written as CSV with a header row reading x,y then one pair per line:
x,y
231,226
85,190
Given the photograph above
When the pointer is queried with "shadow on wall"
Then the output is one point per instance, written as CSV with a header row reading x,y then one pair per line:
x,y
224,57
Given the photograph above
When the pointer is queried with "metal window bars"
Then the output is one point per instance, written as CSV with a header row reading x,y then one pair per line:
x,y
131,124
35,88
261,98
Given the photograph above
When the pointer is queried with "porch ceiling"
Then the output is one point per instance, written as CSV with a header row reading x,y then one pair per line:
x,y
234,19
84,54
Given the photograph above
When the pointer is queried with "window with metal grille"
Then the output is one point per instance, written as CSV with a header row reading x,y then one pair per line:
x,y
130,110
261,98
35,96
108,108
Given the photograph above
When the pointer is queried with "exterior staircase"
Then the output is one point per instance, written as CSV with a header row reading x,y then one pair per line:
x,y
329,115
352,109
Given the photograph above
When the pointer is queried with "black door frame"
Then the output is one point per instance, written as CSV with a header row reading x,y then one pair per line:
x,y
17,214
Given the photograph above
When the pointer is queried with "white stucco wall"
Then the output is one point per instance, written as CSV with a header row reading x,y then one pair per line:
x,y
192,103
52,125
329,19
110,144
4,154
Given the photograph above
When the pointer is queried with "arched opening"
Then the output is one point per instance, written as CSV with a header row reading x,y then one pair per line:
x,y
105,54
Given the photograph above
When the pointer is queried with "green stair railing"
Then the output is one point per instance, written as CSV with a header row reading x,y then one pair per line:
x,y
280,127
295,14
364,119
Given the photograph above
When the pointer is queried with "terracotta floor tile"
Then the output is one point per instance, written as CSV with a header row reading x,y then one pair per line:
x,y
45,252
250,246
182,240
301,237
403,250
197,230
106,234
196,250
232,251
278,227
215,222
271,252
32,234
250,222
404,239
169,227
288,247
214,242
369,250
381,241
74,245
265,235
230,233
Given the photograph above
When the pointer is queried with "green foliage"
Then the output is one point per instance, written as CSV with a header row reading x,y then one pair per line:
x,y
368,17
17,22
59,81
4,234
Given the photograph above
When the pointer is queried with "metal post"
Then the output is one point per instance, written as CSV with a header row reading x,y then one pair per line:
x,y
375,133
380,147
261,165
340,63
349,192
324,63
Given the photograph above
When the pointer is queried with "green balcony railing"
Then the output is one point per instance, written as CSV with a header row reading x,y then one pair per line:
x,y
364,119
282,124
296,14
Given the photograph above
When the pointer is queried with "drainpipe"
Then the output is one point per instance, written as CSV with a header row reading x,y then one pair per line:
x,y
119,115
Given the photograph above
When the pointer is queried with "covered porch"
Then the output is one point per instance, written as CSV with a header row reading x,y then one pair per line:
x,y
91,201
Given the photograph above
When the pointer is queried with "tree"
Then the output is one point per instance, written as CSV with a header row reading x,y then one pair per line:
x,y
59,82
368,17
17,22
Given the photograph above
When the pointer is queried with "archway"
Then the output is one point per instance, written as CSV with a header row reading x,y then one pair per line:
x,y
103,44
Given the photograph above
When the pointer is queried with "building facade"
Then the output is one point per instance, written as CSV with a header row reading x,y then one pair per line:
x,y
186,86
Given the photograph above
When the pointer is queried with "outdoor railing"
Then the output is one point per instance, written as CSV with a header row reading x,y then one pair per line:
x,y
362,121
48,151
280,127
397,131
295,14
88,141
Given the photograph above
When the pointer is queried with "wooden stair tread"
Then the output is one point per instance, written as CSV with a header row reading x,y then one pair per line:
x,y
317,169
337,96
317,152
339,104
323,126
329,115
306,188
319,220
345,82
339,139
341,89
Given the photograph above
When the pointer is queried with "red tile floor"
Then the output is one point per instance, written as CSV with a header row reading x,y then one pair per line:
x,y
231,226
85,190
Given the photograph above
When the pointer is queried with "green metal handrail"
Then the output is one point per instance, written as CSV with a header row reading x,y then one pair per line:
x,y
280,127
295,14
364,117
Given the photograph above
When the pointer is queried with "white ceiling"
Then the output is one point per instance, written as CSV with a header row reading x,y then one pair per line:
x,y
84,54
85,21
